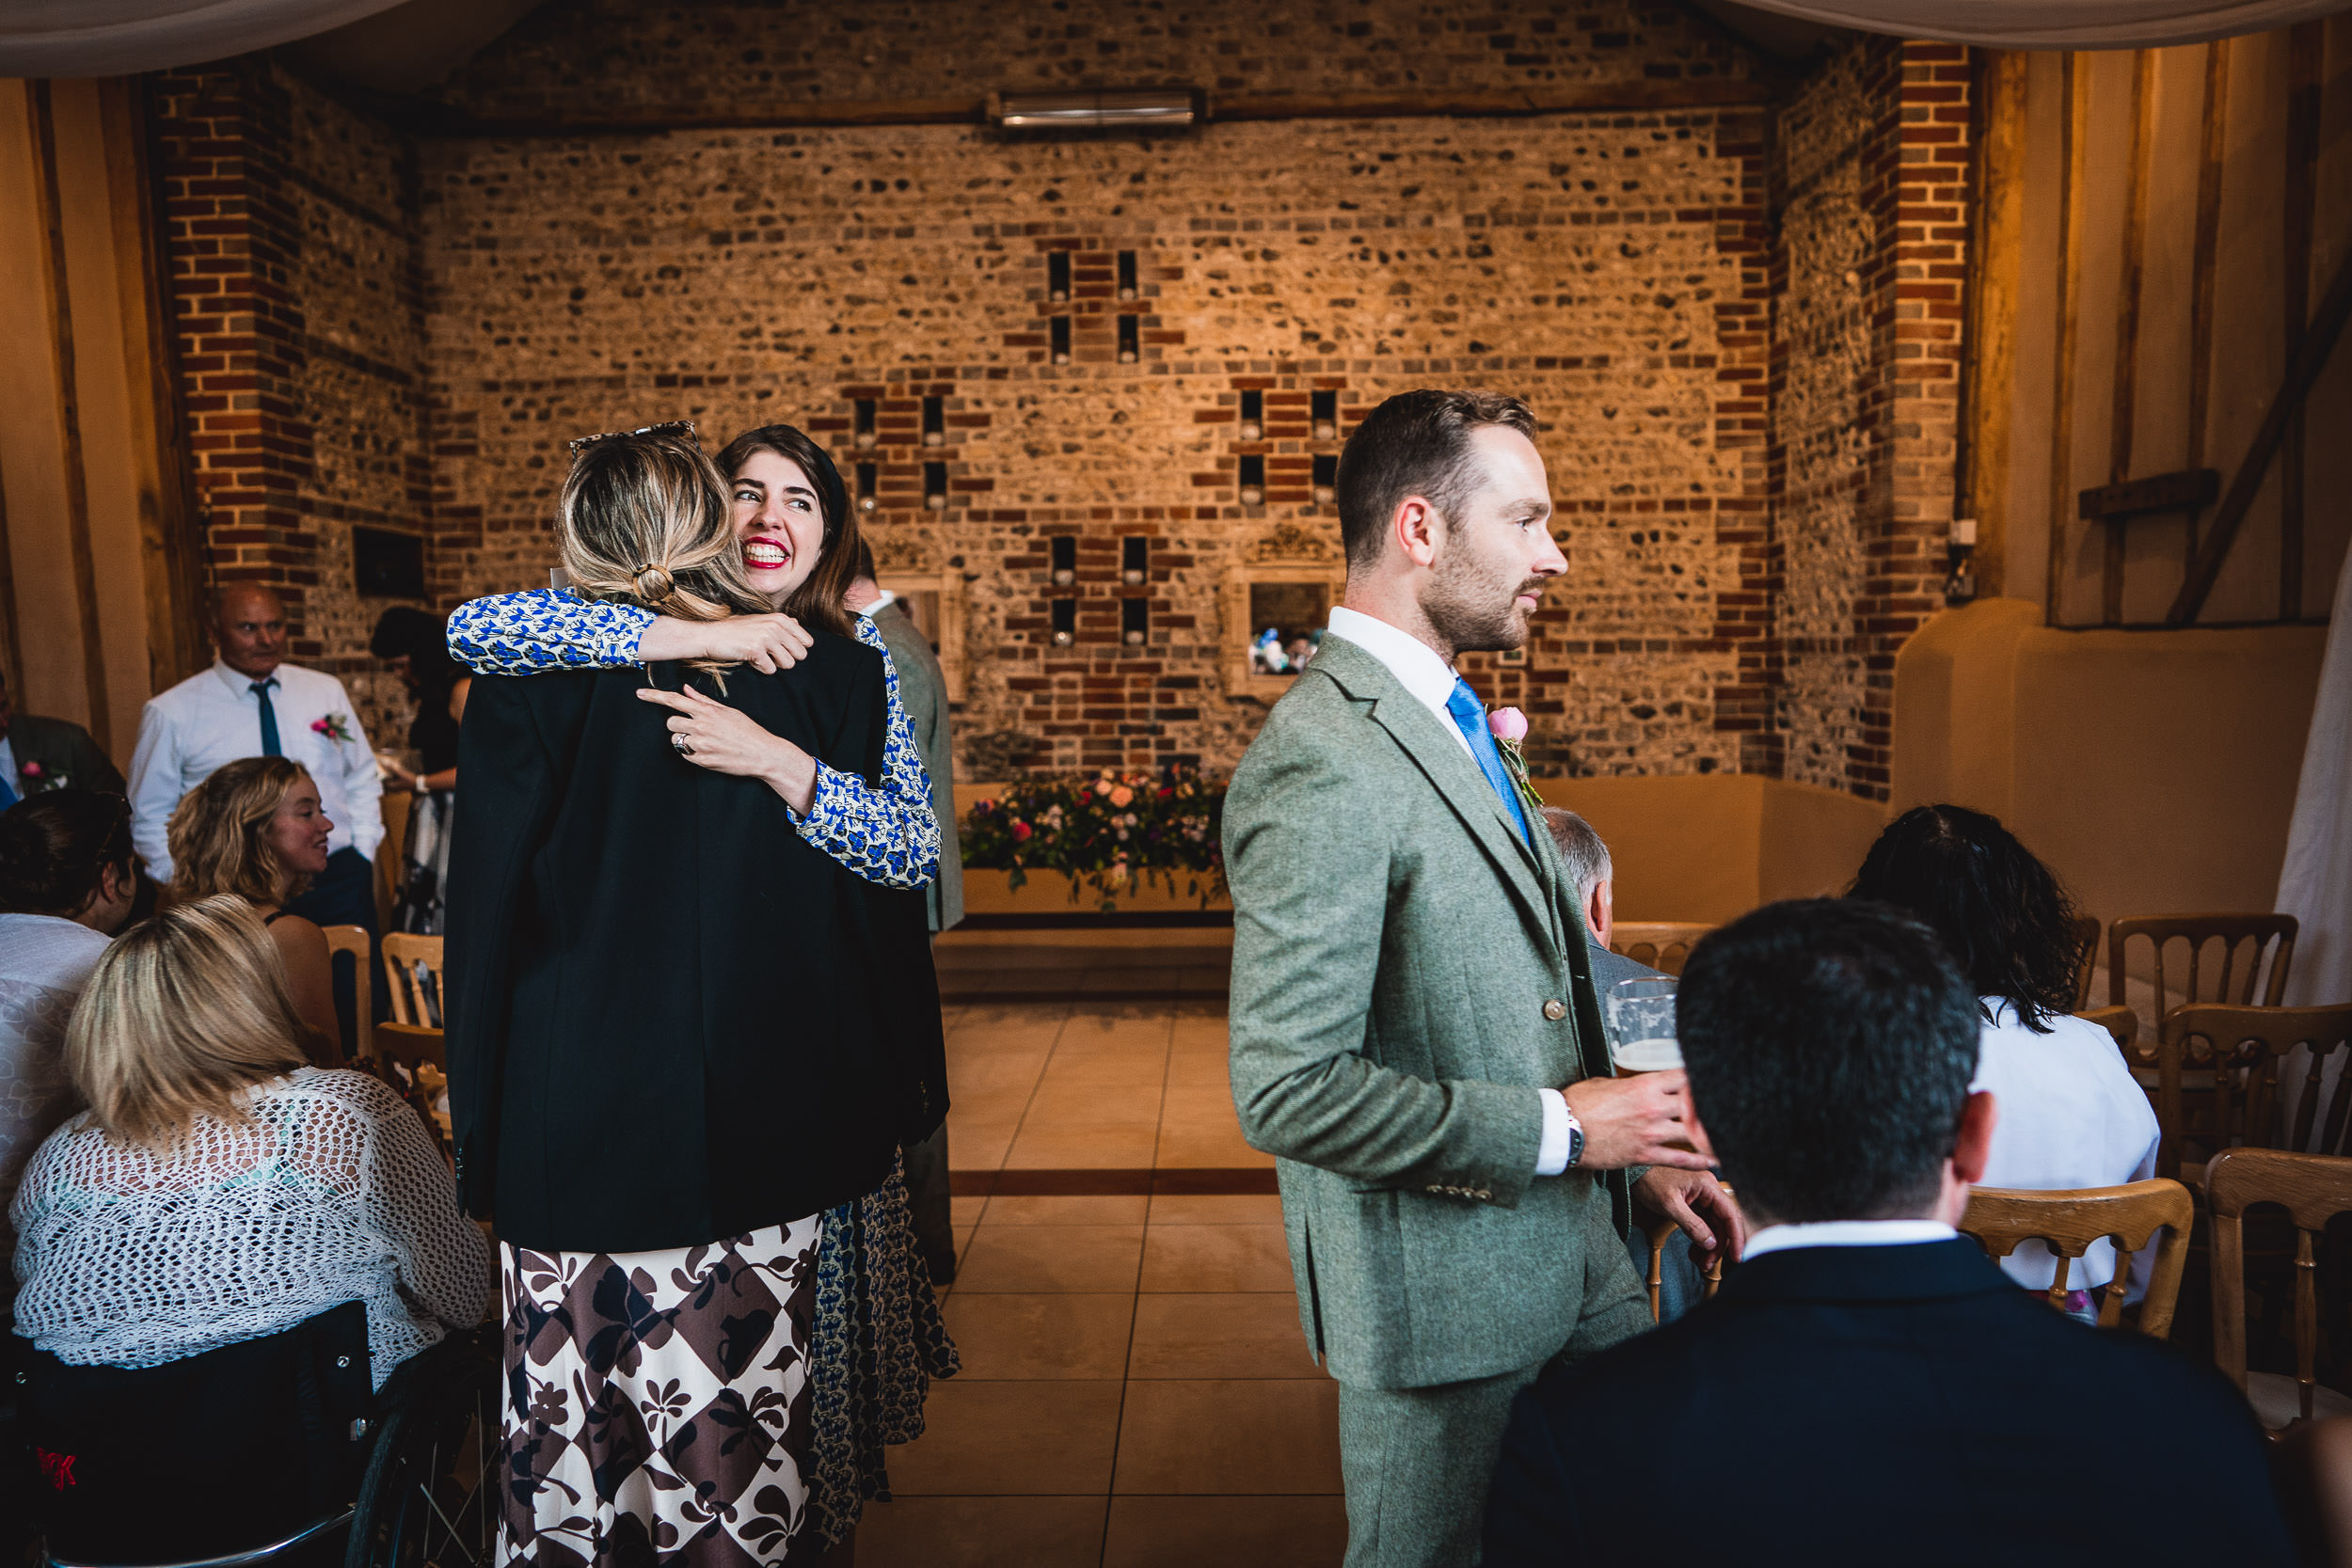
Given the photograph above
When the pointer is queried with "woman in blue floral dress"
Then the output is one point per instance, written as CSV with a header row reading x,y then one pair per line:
x,y
877,1337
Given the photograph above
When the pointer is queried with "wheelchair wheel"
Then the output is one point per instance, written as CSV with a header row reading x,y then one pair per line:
x,y
429,1498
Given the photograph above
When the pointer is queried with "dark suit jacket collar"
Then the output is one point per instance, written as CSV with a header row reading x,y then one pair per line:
x,y
1448,768
1919,1271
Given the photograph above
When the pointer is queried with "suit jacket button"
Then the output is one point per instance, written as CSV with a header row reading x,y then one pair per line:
x,y
1555,1011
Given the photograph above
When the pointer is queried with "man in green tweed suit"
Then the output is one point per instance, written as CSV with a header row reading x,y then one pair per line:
x,y
1415,1035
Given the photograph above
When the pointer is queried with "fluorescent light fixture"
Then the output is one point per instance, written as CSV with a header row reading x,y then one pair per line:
x,y
1090,111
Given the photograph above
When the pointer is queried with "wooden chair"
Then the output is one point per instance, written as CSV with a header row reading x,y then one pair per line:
x,y
2087,931
2120,1022
403,1052
2218,1080
2246,936
2130,1217
2313,1188
354,940
412,965
1660,1231
1659,944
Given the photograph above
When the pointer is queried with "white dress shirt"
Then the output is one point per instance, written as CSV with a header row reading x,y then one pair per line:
x,y
1424,672
45,963
1419,668
1786,1238
8,768
214,717
2067,1114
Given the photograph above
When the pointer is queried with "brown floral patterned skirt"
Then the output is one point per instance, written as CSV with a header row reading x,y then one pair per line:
x,y
658,1402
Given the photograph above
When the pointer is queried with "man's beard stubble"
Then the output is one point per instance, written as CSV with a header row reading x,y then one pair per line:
x,y
1472,613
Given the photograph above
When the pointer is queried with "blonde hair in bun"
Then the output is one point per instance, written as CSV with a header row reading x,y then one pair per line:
x,y
642,518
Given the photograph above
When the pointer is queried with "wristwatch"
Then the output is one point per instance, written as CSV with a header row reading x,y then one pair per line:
x,y
1576,1137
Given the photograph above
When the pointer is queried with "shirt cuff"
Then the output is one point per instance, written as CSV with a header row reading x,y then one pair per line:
x,y
613,642
1551,1156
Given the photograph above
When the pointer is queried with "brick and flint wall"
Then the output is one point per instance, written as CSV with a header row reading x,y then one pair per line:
x,y
1714,310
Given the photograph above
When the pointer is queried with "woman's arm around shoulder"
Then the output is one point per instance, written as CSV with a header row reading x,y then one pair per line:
x,y
408,1198
541,630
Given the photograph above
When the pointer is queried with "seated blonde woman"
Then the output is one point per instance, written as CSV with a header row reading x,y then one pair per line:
x,y
256,829
219,1188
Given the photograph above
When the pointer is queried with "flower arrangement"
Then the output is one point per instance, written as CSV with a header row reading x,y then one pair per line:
x,y
1109,832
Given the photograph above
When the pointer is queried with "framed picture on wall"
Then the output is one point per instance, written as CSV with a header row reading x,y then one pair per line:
x,y
1275,615
934,602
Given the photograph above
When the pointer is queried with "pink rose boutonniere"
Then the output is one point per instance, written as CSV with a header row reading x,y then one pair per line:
x,y
333,727
38,779
1509,727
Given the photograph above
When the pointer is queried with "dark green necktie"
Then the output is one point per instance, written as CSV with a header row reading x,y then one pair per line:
x,y
269,718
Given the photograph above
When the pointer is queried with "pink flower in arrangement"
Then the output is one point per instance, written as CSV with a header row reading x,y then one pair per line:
x,y
1020,832
1120,796
1508,723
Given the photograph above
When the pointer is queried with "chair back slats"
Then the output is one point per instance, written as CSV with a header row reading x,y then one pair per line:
x,y
2246,1053
2230,974
2154,1212
2087,932
1663,945
354,940
2313,1188
412,970
1660,1231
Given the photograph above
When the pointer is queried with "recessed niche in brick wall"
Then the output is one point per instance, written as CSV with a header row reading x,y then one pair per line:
x,y
1089,304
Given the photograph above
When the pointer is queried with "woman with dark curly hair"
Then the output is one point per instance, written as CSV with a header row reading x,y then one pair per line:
x,y
2069,1114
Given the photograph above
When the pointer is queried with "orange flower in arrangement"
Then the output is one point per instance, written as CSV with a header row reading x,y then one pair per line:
x,y
1123,796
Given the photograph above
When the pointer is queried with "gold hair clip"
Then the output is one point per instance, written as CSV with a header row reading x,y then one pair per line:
x,y
667,427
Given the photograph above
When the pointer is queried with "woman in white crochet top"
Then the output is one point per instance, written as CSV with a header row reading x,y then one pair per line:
x,y
219,1188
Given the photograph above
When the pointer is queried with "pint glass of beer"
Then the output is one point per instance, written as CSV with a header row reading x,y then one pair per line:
x,y
1642,1025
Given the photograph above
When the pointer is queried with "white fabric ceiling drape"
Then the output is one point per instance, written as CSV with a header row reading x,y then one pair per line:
x,y
116,38
2057,24
2315,883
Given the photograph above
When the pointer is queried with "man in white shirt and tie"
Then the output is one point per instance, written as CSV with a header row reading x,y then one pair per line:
x,y
252,703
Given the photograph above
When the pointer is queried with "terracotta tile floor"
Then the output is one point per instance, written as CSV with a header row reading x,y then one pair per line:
x,y
1136,1388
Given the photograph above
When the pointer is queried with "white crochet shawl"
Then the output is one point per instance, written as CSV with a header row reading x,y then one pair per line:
x,y
332,1193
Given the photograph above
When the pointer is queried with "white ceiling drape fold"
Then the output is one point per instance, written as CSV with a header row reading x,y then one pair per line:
x,y
116,38
2057,24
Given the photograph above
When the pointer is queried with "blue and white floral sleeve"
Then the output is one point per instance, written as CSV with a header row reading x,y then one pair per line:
x,y
888,835
529,634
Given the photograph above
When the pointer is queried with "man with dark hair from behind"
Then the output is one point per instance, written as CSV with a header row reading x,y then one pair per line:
x,y
1867,1387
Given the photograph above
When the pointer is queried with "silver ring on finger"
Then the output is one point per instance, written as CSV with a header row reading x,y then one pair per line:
x,y
685,749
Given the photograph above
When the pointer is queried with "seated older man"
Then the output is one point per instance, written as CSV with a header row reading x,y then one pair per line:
x,y
1867,1387
1585,860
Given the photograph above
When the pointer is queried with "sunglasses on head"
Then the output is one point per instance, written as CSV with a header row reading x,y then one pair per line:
x,y
667,427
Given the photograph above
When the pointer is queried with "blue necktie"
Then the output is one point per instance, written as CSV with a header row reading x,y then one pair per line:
x,y
1469,716
269,718
7,792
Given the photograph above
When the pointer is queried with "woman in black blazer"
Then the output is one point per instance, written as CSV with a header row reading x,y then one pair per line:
x,y
649,1103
